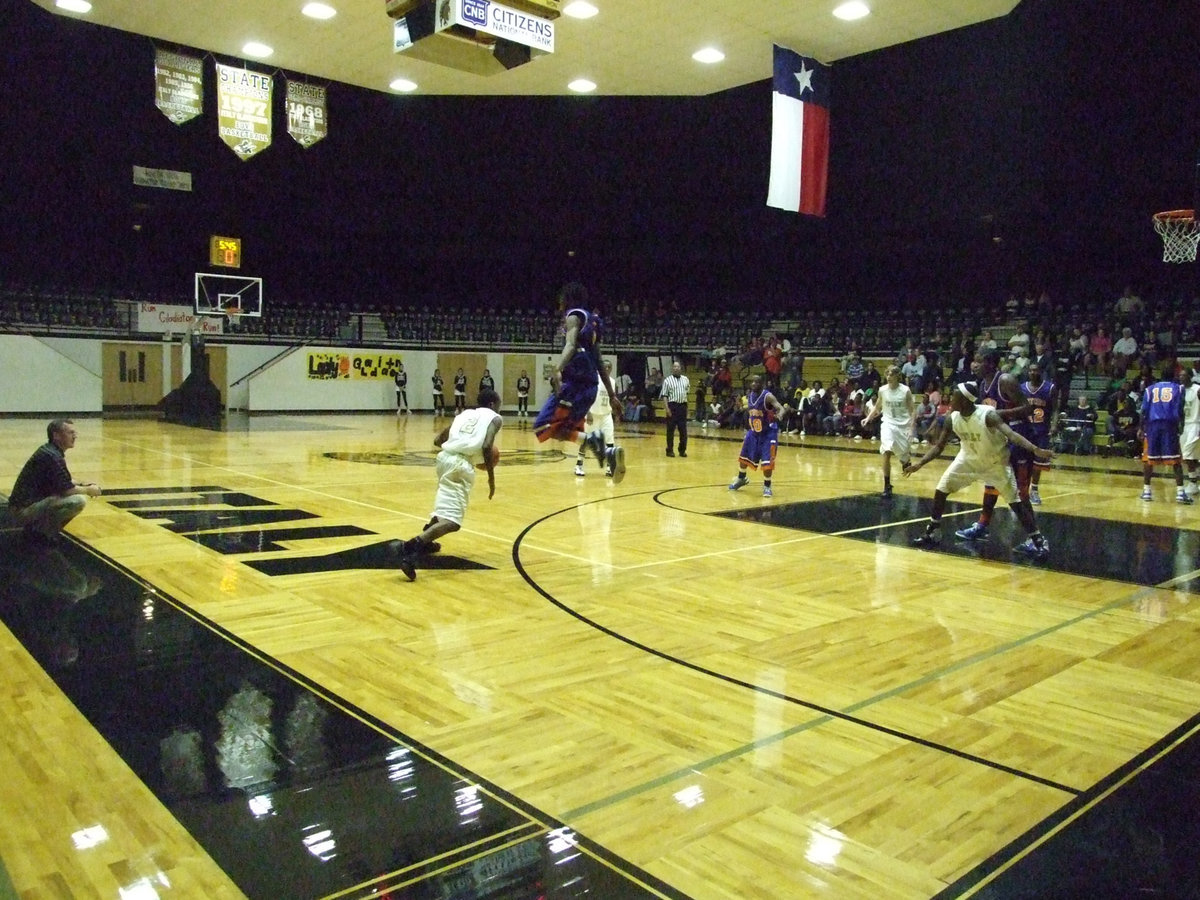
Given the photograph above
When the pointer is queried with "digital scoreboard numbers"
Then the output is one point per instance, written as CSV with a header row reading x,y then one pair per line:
x,y
225,251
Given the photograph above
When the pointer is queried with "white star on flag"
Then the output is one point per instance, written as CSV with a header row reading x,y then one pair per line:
x,y
804,79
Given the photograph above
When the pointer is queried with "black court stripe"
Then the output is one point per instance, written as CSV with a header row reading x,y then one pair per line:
x,y
737,682
635,882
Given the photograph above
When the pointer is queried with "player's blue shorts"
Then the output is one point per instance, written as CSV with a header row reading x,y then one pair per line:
x,y
758,447
1162,443
562,416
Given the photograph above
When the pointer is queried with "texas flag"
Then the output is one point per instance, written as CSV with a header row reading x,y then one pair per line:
x,y
799,134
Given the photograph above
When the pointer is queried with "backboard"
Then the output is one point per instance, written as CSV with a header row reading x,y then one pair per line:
x,y
228,295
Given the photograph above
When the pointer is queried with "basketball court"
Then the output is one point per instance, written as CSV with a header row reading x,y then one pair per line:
x,y
658,689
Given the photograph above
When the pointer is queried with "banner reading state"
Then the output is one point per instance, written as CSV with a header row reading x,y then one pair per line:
x,y
243,110
307,121
178,86
367,366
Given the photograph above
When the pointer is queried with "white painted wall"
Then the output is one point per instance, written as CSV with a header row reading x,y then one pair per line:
x,y
64,375
50,375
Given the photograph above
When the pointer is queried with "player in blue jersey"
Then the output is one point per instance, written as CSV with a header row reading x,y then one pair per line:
x,y
575,381
1162,418
1002,392
1037,429
762,435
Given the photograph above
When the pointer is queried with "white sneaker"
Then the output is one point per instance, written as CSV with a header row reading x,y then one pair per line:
x,y
579,469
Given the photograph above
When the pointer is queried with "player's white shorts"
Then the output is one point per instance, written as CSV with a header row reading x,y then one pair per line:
x,y
604,424
456,477
1189,442
963,473
896,439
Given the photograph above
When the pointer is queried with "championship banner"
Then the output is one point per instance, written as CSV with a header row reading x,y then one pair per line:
x,y
359,366
307,121
243,110
178,86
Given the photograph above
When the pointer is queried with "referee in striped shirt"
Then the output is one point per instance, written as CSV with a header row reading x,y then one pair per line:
x,y
675,390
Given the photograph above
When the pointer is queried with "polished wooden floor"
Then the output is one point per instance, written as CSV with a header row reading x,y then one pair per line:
x,y
739,707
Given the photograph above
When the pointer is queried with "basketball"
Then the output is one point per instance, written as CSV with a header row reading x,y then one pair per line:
x,y
495,458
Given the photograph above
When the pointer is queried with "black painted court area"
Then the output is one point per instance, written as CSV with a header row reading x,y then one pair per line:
x,y
1093,548
292,794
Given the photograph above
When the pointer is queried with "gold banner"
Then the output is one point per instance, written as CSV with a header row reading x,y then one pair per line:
x,y
307,121
178,86
366,366
243,110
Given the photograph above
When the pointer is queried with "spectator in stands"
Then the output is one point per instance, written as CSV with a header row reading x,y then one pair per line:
x,y
924,419
1148,349
702,382
622,384
1019,341
855,368
816,408
913,372
722,381
773,363
1080,427
1124,351
1123,428
1128,306
831,424
634,409
871,379
793,370
1019,365
987,342
1099,354
1046,360
852,416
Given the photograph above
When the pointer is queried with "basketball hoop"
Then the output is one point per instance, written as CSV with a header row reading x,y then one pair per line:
x,y
1179,233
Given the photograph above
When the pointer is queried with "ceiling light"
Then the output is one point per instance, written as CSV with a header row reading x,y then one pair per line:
x,y
854,9
403,84
75,6
582,86
580,9
708,55
257,50
319,11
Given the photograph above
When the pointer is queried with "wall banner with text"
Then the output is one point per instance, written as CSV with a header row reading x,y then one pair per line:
x,y
243,110
307,120
368,366
178,85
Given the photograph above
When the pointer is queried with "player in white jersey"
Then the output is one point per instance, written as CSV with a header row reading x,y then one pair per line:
x,y
982,456
895,405
1189,441
600,418
464,444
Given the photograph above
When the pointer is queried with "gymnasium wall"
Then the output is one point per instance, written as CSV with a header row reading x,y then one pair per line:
x,y
68,375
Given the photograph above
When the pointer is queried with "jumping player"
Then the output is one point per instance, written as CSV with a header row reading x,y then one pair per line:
x,y
1002,392
1162,415
1038,429
897,408
982,456
575,381
762,435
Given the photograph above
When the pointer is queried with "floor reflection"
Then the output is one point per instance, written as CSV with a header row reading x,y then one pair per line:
x,y
289,794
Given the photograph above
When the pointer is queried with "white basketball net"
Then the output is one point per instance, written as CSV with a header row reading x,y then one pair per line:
x,y
1180,236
